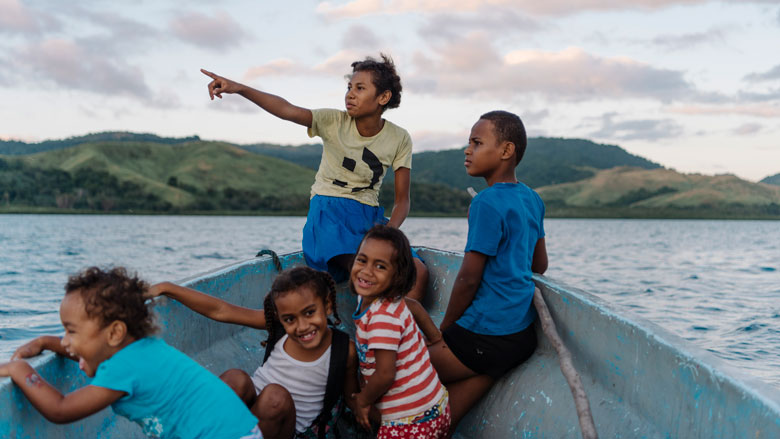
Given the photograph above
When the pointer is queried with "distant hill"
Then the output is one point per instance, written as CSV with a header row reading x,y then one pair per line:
x,y
574,177
666,193
546,161
193,176
772,179
307,156
15,147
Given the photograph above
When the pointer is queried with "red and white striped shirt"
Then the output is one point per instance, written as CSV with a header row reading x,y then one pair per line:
x,y
391,326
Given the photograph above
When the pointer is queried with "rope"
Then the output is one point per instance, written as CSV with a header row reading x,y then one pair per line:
x,y
274,258
587,426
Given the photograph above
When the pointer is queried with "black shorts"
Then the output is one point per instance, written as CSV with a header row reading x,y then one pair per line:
x,y
490,355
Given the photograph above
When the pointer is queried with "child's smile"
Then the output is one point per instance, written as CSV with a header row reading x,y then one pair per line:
x,y
304,317
372,271
84,337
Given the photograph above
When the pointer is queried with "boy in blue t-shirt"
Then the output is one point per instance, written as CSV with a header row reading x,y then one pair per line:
x,y
487,328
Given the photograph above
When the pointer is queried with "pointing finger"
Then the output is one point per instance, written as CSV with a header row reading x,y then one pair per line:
x,y
207,73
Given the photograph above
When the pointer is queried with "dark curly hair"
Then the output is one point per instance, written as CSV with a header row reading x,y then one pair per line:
x,y
290,280
508,127
112,294
405,273
384,78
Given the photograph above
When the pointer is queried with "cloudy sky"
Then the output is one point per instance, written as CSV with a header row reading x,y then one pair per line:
x,y
691,84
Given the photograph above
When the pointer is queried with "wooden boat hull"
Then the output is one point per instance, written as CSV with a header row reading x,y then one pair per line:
x,y
642,381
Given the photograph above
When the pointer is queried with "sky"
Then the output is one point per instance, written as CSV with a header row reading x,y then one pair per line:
x,y
693,85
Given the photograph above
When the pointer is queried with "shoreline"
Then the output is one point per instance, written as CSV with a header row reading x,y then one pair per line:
x,y
552,212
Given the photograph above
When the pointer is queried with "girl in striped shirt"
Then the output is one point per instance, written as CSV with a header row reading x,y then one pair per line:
x,y
397,376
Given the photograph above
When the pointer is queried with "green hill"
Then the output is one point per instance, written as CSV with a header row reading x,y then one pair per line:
x,y
772,179
192,176
307,156
15,147
574,177
547,161
665,193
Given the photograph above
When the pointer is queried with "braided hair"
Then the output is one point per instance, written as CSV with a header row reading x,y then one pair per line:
x,y
291,280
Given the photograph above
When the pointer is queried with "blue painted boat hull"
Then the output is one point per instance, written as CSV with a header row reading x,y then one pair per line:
x,y
642,381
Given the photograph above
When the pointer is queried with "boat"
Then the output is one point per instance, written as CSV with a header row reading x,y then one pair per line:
x,y
641,380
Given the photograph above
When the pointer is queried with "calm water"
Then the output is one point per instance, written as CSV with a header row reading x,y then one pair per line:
x,y
716,283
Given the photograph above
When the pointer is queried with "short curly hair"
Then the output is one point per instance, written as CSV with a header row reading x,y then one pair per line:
x,y
384,77
113,294
509,128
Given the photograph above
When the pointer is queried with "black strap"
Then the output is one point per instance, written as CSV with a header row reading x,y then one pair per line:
x,y
339,352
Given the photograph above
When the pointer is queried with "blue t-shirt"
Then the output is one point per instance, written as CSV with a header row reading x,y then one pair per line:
x,y
505,222
170,395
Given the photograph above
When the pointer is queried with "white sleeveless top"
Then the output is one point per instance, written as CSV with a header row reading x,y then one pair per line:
x,y
304,380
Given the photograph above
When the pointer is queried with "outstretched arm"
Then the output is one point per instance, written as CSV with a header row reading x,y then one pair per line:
x,y
423,320
40,344
273,104
52,404
465,288
401,205
209,306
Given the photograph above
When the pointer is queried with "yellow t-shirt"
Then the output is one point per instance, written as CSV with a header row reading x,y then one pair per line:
x,y
352,166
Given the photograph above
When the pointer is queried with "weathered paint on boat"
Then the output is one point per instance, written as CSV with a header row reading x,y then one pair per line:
x,y
642,381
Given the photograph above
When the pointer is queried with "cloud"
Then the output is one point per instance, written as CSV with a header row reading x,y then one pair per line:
x,y
360,37
768,96
124,35
438,140
638,129
689,41
69,65
471,67
767,110
216,32
499,19
769,75
233,104
16,17
277,67
533,118
337,64
747,129
360,8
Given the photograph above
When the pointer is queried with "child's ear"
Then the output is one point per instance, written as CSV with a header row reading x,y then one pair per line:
x,y
508,151
384,97
117,331
328,307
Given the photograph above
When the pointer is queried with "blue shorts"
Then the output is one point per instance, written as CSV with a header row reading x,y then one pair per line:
x,y
335,226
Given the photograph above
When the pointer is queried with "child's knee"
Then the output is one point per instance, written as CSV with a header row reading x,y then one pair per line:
x,y
241,383
274,400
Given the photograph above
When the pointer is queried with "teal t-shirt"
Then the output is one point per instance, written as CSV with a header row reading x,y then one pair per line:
x,y
505,222
170,395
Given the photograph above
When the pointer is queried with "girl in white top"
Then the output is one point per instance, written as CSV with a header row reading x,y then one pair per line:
x,y
287,392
